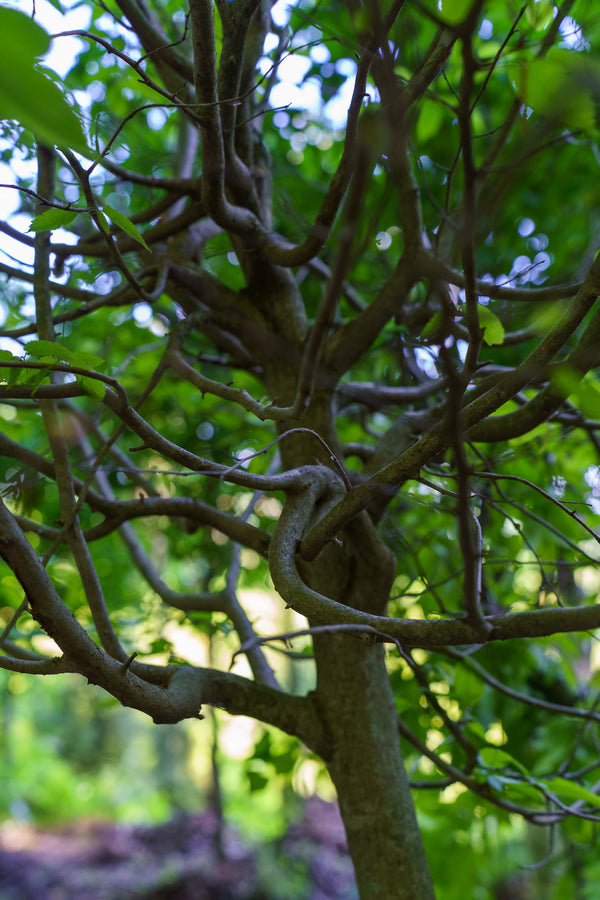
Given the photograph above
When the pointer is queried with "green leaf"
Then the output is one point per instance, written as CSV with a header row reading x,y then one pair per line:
x,y
256,781
52,218
93,387
49,348
455,11
25,93
102,222
495,758
570,790
520,791
284,763
539,13
34,377
123,222
563,86
430,121
567,380
493,329
433,325
218,33
42,348
586,395
31,38
86,360
468,686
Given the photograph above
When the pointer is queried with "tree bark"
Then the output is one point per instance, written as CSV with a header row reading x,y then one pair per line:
x,y
366,767
356,703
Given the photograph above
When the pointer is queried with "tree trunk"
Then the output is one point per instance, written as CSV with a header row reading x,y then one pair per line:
x,y
366,766
355,700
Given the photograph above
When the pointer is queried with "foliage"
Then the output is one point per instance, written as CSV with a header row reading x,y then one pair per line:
x,y
252,351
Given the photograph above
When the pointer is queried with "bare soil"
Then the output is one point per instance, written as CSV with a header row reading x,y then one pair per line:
x,y
188,858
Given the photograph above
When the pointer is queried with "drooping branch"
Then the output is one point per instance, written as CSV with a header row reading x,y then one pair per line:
x,y
174,68
174,692
433,442
55,431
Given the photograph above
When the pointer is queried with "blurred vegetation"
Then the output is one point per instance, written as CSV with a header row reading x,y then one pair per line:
x,y
67,749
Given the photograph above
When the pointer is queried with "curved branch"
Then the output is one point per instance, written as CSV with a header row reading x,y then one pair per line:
x,y
165,57
407,466
381,395
235,219
537,702
346,345
119,511
584,357
283,255
56,666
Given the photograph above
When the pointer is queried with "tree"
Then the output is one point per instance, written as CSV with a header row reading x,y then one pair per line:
x,y
357,364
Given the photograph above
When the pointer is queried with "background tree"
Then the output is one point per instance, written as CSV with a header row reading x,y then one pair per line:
x,y
353,364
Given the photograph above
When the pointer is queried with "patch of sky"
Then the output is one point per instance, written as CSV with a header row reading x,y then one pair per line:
x,y
244,456
526,227
572,35
205,431
281,12
526,270
487,279
156,118
592,479
538,242
320,54
383,240
486,30
426,358
142,313
559,486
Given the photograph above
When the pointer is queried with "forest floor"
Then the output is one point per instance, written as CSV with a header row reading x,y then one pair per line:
x,y
188,858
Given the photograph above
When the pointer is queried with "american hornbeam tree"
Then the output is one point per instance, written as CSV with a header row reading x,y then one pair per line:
x,y
309,300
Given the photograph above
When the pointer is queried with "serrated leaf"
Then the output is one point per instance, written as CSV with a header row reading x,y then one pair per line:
x,y
123,222
41,348
87,361
52,218
493,329
52,349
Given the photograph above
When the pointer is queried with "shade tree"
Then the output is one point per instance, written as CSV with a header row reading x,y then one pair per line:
x,y
354,364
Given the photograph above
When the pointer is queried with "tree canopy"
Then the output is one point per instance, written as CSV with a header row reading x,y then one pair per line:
x,y
304,299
